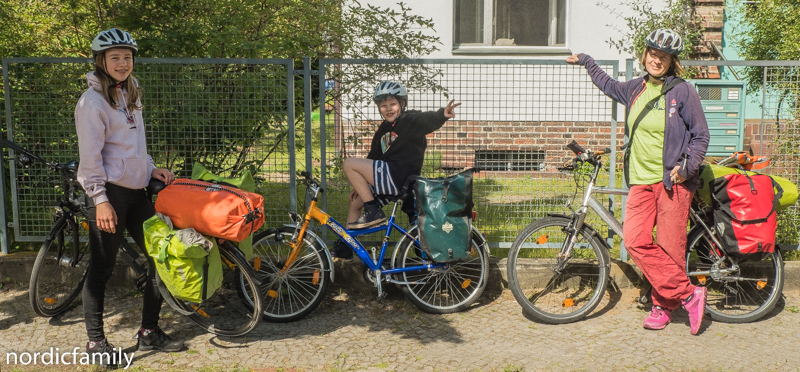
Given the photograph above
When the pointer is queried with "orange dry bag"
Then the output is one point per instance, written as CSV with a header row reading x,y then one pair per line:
x,y
218,210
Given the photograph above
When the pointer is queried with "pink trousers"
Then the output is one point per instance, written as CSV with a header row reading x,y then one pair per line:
x,y
663,262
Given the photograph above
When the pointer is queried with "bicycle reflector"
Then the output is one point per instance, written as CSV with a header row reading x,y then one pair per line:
x,y
466,283
272,293
50,300
568,303
761,283
315,278
542,239
257,263
200,311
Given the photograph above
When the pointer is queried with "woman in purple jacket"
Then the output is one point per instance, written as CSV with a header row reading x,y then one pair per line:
x,y
667,140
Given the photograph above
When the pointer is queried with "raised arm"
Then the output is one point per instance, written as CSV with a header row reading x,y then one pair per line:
x,y
614,89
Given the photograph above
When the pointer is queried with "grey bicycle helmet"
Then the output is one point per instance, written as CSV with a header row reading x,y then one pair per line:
x,y
388,89
665,40
113,38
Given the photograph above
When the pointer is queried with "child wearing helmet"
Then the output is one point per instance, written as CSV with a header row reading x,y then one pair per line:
x,y
667,140
114,169
397,151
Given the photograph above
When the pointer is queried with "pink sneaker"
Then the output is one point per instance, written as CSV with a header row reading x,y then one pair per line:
x,y
658,319
696,306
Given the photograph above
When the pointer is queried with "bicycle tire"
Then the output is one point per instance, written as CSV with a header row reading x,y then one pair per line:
x,y
223,313
736,301
448,290
548,296
299,290
60,269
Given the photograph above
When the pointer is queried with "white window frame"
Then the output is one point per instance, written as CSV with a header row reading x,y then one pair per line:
x,y
488,30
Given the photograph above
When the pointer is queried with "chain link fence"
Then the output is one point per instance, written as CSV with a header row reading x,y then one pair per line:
x,y
515,120
228,115
779,136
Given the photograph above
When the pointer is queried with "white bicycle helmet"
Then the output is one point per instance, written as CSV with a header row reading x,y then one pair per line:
x,y
113,38
388,89
665,40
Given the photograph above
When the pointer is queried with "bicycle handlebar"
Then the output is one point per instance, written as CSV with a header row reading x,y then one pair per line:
x,y
310,181
582,155
16,147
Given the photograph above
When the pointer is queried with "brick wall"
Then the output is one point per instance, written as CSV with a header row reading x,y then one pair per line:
x,y
712,13
458,142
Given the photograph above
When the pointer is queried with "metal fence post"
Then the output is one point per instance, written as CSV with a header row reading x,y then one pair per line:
x,y
323,143
623,253
307,112
4,242
291,130
612,160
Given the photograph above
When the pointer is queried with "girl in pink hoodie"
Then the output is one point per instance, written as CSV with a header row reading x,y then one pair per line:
x,y
114,170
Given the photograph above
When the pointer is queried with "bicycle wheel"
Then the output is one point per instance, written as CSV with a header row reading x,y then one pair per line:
x,y
547,293
296,292
60,269
738,297
223,313
446,290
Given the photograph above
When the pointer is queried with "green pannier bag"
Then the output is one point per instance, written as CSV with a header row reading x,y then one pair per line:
x,y
710,172
190,272
244,182
444,208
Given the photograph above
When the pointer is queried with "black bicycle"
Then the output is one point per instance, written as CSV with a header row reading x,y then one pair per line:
x,y
60,268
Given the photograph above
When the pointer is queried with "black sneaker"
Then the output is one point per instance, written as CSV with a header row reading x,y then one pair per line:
x,y
104,354
342,250
158,340
372,216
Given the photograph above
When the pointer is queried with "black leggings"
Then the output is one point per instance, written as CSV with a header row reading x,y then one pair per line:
x,y
132,208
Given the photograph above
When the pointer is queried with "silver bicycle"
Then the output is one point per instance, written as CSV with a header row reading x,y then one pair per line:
x,y
558,266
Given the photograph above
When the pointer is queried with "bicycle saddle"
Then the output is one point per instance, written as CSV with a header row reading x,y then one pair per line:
x,y
155,186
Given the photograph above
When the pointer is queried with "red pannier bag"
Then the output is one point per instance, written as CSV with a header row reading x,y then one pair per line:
x,y
744,214
212,209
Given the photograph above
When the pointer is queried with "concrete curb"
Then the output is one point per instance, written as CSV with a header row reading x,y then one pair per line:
x,y
17,268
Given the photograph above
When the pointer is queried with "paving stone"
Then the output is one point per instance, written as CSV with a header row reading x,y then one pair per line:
x,y
361,334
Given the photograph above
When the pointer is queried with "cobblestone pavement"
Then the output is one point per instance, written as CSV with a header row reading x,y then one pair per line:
x,y
352,331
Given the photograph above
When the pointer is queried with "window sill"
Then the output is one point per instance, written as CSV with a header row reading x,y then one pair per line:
x,y
487,50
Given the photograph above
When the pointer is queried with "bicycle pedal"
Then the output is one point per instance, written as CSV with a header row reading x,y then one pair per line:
x,y
140,282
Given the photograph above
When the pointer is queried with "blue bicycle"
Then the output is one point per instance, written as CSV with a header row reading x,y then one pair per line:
x,y
296,268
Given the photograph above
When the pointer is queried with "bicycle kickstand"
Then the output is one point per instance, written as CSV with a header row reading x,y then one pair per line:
x,y
381,293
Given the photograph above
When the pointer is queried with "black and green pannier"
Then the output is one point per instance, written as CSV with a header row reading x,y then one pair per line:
x,y
444,208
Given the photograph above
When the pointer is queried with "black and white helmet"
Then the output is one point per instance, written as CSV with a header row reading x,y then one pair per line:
x,y
665,40
113,38
388,89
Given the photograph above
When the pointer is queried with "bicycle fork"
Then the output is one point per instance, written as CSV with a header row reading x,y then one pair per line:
x,y
577,225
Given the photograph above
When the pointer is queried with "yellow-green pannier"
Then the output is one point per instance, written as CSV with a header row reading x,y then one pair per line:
x,y
188,264
710,172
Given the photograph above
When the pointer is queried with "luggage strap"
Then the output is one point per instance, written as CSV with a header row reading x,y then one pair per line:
x,y
162,249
